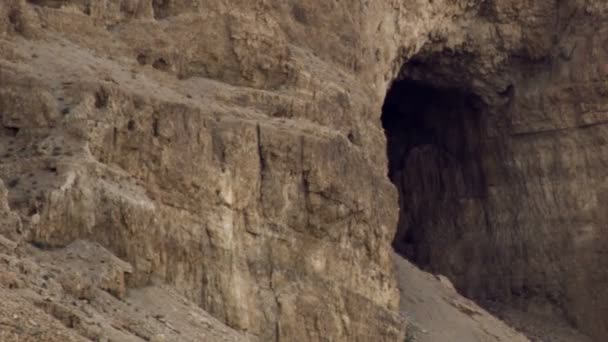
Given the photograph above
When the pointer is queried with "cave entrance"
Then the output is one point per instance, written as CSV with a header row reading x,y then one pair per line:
x,y
434,150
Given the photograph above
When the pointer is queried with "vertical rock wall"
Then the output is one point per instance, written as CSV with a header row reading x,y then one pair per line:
x,y
504,194
234,150
228,148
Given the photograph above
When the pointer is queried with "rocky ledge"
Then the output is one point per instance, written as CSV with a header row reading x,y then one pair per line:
x,y
236,170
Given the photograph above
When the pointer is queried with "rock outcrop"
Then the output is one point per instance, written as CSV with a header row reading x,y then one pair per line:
x,y
213,146
217,169
501,169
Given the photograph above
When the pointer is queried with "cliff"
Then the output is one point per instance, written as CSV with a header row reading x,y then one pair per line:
x,y
189,170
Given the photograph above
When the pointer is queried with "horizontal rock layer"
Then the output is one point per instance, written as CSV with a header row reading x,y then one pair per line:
x,y
233,151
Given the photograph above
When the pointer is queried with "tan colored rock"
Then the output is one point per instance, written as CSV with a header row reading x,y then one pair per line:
x,y
158,338
10,280
203,183
232,151
502,181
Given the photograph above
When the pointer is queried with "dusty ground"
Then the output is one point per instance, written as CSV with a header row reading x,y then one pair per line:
x,y
439,313
77,293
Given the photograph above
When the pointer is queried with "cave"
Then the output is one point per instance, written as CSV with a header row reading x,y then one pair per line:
x,y
434,149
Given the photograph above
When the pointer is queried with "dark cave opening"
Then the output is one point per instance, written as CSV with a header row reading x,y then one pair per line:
x,y
434,152
466,190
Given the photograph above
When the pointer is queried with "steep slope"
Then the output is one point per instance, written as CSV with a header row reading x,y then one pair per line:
x,y
230,153
78,293
438,313
196,144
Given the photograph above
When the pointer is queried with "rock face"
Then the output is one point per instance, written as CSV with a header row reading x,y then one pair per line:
x,y
502,169
231,152
211,150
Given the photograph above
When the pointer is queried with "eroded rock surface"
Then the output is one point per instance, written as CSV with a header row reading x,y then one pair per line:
x,y
502,169
79,293
212,149
230,152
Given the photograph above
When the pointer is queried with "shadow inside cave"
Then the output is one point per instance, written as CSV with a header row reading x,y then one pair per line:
x,y
434,148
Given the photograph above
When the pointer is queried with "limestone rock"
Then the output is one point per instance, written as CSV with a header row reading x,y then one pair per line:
x,y
495,141
217,169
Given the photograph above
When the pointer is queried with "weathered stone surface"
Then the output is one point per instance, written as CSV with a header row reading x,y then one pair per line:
x,y
502,167
78,293
232,150
212,150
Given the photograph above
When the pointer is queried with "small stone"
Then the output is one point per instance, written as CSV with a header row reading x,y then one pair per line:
x,y
10,280
158,338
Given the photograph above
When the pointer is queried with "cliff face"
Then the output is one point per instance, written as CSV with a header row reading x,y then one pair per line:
x,y
233,151
227,148
502,170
